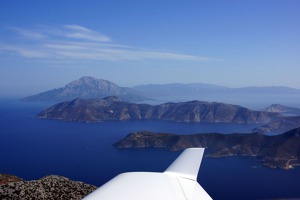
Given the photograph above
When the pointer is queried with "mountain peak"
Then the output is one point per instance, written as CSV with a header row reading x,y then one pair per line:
x,y
88,87
91,81
88,79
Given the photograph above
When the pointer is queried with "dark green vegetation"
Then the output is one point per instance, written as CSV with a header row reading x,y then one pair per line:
x,y
112,108
280,151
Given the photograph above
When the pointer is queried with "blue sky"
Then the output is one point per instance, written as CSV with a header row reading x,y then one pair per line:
x,y
46,44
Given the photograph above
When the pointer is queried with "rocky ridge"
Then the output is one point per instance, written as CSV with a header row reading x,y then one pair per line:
x,y
280,151
49,187
7,178
112,108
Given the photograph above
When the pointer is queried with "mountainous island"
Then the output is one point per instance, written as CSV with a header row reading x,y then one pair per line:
x,y
49,187
280,151
112,108
88,87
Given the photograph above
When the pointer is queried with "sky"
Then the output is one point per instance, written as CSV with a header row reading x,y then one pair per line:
x,y
234,43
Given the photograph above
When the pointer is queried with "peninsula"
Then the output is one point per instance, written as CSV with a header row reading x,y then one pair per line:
x,y
280,151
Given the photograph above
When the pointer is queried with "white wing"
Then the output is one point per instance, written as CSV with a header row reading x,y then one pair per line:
x,y
178,182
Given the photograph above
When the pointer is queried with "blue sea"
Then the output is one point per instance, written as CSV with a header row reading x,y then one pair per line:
x,y
32,148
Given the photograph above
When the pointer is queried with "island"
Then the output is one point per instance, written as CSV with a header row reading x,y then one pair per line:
x,y
278,108
280,151
279,125
113,108
88,87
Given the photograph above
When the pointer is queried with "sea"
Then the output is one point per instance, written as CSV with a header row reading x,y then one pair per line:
x,y
32,148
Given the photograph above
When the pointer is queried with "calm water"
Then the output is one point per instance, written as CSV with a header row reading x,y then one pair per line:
x,y
32,148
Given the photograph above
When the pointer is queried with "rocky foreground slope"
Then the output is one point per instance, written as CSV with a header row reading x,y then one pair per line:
x,y
112,108
280,151
50,188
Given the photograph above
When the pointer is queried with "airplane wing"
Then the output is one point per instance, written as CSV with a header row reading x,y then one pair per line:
x,y
178,182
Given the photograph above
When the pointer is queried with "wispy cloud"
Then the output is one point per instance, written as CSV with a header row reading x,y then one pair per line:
x,y
24,51
28,34
74,42
80,32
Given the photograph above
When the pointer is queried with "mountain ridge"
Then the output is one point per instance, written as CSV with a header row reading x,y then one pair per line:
x,y
112,108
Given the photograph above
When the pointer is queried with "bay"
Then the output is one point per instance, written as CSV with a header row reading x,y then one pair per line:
x,y
32,148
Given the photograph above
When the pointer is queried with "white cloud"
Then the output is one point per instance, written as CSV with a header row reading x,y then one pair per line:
x,y
80,32
74,42
78,28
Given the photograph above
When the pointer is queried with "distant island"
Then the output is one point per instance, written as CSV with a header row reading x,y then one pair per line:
x,y
190,89
289,120
88,87
280,151
278,108
49,187
112,108
279,125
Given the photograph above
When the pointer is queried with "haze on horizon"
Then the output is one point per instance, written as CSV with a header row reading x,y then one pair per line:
x,y
47,44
